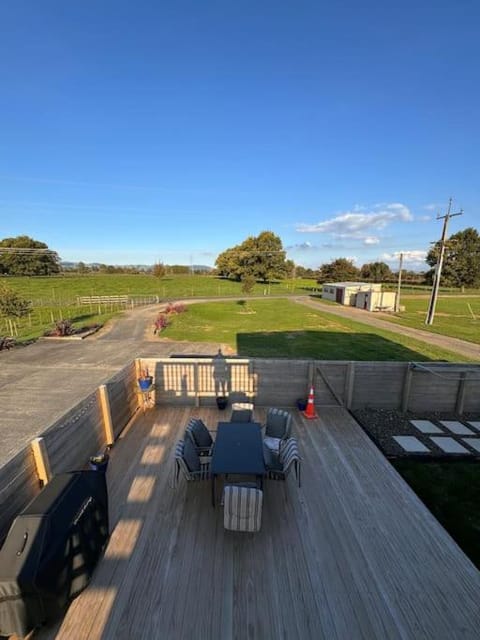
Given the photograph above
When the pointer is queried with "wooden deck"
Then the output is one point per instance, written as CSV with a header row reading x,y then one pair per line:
x,y
352,554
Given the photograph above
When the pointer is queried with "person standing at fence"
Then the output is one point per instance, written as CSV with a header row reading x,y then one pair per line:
x,y
220,373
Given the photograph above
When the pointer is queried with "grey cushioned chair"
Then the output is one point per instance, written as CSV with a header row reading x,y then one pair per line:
x,y
189,464
288,458
277,428
200,436
242,412
242,508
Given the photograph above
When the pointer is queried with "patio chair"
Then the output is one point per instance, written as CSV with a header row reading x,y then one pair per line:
x,y
189,463
242,508
288,458
197,432
277,428
242,412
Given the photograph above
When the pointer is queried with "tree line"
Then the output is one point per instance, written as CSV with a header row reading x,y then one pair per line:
x,y
262,258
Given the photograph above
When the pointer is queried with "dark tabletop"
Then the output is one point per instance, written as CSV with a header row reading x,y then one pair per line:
x,y
238,449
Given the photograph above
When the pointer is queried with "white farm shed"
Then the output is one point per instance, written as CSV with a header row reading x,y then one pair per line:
x,y
376,300
364,295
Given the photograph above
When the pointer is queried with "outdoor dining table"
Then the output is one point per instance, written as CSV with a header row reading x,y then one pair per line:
x,y
238,450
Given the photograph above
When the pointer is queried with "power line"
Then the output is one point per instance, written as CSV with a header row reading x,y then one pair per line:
x,y
26,250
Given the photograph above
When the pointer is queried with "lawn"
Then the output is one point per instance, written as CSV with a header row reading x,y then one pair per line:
x,y
453,316
281,328
55,297
451,490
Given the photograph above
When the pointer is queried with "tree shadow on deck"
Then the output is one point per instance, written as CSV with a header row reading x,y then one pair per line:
x,y
324,345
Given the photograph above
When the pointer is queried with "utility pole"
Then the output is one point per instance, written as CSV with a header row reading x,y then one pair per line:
x,y
439,265
399,285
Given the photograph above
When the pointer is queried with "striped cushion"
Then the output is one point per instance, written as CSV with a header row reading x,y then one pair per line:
x,y
242,508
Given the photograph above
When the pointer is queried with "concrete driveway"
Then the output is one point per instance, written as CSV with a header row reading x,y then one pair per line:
x,y
41,382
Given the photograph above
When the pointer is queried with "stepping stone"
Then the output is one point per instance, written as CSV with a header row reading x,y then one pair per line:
x,y
425,426
457,427
473,442
475,425
449,445
411,444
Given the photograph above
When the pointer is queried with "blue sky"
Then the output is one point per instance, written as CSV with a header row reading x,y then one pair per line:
x,y
132,132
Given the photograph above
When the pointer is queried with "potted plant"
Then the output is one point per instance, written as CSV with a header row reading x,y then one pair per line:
x,y
100,462
301,404
145,380
222,402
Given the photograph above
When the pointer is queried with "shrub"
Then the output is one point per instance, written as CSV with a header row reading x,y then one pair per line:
x,y
175,307
6,343
160,323
63,328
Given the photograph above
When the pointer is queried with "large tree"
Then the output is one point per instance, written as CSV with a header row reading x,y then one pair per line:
x,y
24,256
339,270
461,262
376,272
261,257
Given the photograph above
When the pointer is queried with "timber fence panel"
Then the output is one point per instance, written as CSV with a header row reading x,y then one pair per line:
x,y
378,384
431,392
472,394
123,397
280,382
76,436
329,382
18,485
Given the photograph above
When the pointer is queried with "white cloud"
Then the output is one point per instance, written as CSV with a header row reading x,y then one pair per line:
x,y
412,260
360,223
303,246
431,207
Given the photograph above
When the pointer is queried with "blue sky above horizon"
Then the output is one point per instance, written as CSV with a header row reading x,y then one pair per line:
x,y
139,132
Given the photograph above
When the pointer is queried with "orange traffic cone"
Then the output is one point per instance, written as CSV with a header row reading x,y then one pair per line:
x,y
310,410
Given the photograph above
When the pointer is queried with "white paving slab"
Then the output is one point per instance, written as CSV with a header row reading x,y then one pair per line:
x,y
425,426
449,445
411,444
457,427
475,425
473,442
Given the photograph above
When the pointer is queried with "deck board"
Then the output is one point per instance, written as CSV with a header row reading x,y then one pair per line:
x,y
353,554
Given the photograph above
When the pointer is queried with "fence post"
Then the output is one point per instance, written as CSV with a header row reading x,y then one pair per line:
x,y
42,461
460,402
311,373
349,384
106,414
195,383
407,383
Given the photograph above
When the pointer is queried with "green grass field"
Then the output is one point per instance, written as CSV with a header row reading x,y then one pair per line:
x,y
453,316
55,297
282,328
